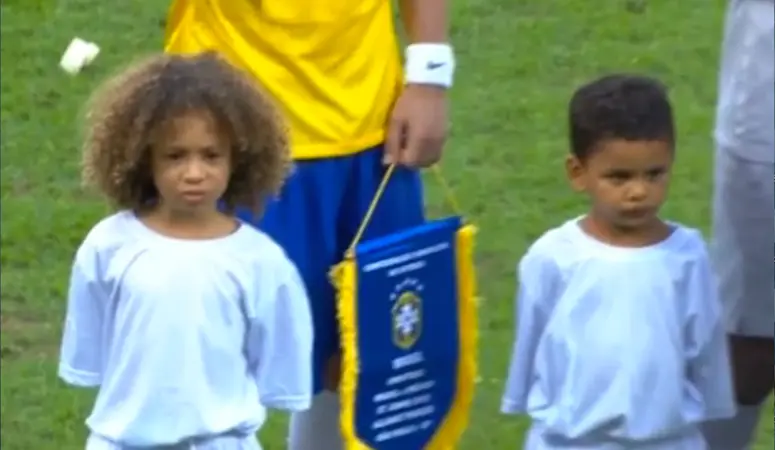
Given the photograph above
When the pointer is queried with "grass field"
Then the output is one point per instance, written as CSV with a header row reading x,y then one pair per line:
x,y
518,63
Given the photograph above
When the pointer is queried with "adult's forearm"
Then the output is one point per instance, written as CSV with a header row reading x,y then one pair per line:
x,y
425,21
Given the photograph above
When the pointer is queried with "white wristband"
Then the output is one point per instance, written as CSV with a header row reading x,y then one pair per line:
x,y
430,64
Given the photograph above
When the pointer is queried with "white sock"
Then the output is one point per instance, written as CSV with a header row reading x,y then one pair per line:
x,y
318,427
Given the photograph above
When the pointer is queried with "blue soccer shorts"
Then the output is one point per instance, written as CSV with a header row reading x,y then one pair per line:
x,y
318,213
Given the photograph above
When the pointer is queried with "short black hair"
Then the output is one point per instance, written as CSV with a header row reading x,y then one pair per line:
x,y
619,106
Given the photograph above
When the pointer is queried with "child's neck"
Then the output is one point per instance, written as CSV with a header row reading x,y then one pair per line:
x,y
185,225
651,233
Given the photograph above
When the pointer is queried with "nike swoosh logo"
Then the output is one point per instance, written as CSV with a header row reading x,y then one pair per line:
x,y
435,65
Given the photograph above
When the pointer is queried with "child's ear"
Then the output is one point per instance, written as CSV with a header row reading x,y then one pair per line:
x,y
575,170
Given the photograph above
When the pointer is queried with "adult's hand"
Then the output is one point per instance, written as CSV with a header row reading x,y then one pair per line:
x,y
418,127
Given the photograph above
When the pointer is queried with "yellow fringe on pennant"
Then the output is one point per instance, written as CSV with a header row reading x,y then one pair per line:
x,y
344,278
456,422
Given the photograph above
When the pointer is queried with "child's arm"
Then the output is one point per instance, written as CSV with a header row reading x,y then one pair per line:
x,y
709,369
536,281
81,355
280,341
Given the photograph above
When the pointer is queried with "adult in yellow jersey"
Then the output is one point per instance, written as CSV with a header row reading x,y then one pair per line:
x,y
335,68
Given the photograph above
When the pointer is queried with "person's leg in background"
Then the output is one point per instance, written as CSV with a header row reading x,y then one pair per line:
x,y
401,206
318,427
743,235
743,215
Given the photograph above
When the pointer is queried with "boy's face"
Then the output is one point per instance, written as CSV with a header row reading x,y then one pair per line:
x,y
626,180
191,163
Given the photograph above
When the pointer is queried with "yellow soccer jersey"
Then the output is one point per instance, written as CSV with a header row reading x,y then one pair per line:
x,y
333,65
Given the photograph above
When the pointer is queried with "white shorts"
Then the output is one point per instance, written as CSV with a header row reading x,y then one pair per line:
x,y
742,244
224,442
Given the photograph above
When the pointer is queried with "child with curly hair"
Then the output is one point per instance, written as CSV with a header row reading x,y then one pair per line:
x,y
620,342
187,336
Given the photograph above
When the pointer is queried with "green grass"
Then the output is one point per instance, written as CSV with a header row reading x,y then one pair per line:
x,y
518,63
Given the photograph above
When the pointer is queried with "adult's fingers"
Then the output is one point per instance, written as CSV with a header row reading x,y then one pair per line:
x,y
394,141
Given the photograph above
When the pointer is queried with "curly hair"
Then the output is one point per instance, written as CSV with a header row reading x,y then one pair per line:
x,y
124,112
619,106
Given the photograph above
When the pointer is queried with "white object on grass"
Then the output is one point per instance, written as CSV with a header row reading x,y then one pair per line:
x,y
79,54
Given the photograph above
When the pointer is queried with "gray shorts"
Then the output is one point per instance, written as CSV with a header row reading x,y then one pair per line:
x,y
743,240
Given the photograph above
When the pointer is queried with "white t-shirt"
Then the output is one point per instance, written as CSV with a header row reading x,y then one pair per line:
x,y
185,338
618,347
745,117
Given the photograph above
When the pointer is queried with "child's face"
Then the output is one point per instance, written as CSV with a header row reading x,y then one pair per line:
x,y
191,162
626,180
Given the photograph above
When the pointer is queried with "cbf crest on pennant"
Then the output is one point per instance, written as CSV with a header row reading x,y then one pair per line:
x,y
407,317
408,324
